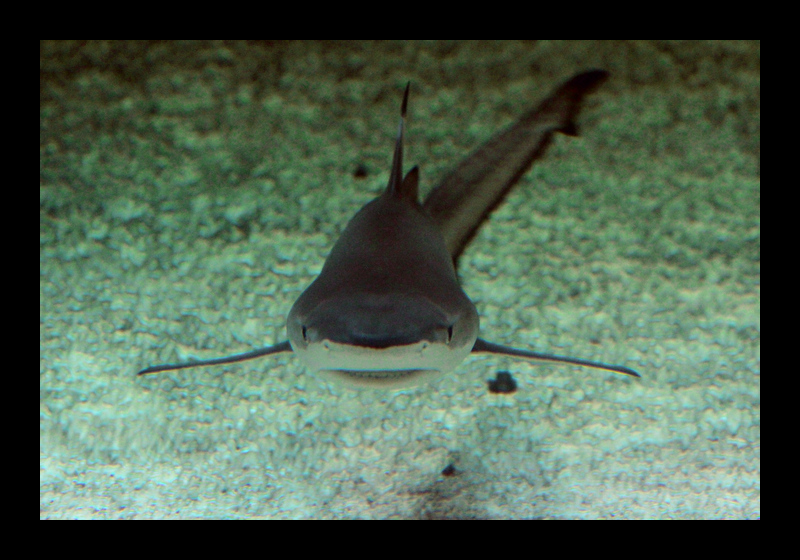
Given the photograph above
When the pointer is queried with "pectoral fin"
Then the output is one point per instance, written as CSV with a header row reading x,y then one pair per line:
x,y
269,350
483,347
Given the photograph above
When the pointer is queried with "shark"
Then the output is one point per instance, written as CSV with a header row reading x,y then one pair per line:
x,y
387,309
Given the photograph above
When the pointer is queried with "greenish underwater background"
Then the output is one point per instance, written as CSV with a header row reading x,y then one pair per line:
x,y
189,191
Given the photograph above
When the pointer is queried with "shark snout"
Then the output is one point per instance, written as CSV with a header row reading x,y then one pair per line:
x,y
378,322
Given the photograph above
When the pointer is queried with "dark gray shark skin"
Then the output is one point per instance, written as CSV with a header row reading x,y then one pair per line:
x,y
387,309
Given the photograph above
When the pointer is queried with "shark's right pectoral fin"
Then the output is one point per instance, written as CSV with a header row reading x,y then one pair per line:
x,y
269,350
484,347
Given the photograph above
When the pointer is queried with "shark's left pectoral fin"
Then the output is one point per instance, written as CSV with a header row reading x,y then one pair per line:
x,y
484,347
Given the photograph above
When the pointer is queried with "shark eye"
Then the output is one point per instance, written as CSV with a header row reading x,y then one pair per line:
x,y
449,334
305,333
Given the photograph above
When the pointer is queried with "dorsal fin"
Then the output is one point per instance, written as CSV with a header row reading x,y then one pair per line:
x,y
410,187
395,186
